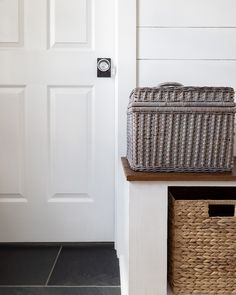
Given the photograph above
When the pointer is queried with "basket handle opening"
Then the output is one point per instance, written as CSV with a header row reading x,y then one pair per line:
x,y
170,84
218,210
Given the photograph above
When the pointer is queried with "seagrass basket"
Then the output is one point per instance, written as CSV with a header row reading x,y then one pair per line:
x,y
202,242
177,128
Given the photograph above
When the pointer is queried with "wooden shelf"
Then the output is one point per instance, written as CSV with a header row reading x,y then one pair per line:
x,y
173,176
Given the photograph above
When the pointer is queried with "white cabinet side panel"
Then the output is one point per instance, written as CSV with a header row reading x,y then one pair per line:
x,y
148,239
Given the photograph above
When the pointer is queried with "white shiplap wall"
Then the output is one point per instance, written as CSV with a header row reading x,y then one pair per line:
x,y
189,41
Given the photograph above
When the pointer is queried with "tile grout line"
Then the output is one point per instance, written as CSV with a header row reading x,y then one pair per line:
x,y
54,264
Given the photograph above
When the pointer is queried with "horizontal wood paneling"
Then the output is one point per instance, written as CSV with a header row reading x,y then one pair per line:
x,y
187,13
188,72
186,43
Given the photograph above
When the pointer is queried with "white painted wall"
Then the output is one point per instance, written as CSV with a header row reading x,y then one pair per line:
x,y
125,81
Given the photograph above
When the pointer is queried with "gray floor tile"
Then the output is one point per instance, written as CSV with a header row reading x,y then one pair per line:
x,y
26,265
83,266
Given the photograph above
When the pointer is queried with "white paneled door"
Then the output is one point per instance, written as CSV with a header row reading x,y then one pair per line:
x,y
56,121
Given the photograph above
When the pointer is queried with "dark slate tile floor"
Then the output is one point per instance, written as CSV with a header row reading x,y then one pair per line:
x,y
59,291
26,265
59,270
97,266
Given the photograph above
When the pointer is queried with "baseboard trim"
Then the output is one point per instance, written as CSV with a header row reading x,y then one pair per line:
x,y
75,244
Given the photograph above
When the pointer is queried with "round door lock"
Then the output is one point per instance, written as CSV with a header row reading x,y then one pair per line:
x,y
104,65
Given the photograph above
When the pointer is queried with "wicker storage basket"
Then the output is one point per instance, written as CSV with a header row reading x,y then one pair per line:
x,y
202,246
177,128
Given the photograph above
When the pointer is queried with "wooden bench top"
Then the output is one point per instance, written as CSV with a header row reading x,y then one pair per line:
x,y
173,176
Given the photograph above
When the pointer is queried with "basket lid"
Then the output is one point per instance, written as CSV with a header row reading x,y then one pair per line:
x,y
175,93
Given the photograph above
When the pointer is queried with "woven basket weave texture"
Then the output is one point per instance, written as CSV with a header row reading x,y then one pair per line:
x,y
176,128
202,249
